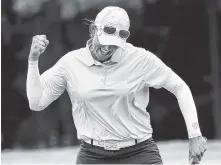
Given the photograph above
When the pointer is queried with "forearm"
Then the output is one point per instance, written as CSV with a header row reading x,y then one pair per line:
x,y
186,103
188,109
33,84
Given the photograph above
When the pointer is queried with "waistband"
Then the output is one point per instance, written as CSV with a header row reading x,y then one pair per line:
x,y
114,144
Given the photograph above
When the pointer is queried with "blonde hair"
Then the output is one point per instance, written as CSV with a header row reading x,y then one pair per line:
x,y
91,25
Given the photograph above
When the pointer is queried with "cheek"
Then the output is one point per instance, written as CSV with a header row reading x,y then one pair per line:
x,y
96,38
114,48
96,42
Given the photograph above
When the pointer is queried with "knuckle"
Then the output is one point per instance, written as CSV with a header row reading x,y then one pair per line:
x,y
35,45
41,43
42,47
38,37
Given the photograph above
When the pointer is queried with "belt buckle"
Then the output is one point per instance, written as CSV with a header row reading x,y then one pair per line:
x,y
111,145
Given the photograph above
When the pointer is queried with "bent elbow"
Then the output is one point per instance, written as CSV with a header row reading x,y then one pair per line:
x,y
176,85
34,106
183,90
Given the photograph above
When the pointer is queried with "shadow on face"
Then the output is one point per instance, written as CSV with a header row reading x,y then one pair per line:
x,y
101,52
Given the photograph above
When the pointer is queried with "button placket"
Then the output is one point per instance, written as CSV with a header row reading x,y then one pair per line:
x,y
103,78
105,75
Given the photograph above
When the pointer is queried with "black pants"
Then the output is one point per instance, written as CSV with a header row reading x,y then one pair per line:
x,y
145,152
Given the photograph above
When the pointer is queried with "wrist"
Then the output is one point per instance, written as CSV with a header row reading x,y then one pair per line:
x,y
195,134
32,59
193,129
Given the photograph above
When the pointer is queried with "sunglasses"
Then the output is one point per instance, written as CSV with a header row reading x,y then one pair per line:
x,y
124,34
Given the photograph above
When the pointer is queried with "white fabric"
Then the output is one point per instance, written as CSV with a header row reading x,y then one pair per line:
x,y
113,15
44,89
108,100
186,103
116,17
106,39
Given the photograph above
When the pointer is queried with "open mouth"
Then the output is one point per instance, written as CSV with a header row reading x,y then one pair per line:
x,y
104,52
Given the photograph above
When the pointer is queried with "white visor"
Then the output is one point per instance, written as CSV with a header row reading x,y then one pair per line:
x,y
106,39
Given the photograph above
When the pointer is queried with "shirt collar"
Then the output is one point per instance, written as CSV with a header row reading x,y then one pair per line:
x,y
116,57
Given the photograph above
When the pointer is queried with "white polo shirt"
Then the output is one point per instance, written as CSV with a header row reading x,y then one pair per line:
x,y
109,100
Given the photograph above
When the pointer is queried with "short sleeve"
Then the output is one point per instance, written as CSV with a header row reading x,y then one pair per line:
x,y
156,73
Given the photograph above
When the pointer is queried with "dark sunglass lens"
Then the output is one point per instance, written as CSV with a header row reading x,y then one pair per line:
x,y
109,30
124,34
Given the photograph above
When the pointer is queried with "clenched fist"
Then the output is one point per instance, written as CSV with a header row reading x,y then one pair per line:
x,y
38,46
197,148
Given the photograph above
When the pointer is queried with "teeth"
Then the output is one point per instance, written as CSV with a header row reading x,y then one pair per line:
x,y
104,51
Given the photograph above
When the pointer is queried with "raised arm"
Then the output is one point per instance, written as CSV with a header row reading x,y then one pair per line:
x,y
43,90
